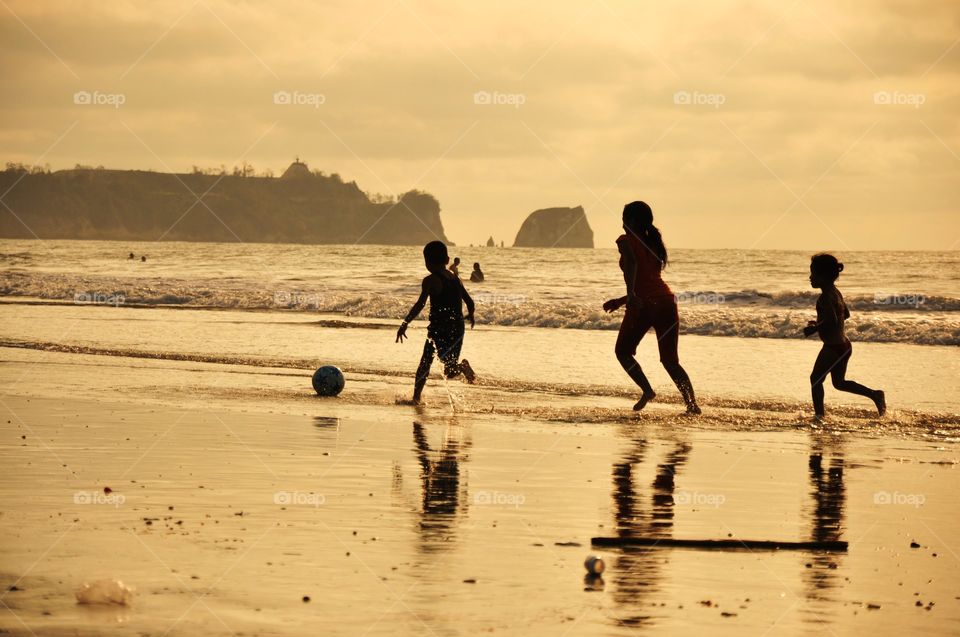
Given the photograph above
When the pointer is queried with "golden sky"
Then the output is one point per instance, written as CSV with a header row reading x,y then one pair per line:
x,y
807,124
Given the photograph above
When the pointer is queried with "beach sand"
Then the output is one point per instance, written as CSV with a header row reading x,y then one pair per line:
x,y
235,493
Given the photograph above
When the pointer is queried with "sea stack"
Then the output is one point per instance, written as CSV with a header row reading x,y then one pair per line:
x,y
555,228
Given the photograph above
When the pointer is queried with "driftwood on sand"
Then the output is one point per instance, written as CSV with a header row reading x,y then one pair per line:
x,y
764,545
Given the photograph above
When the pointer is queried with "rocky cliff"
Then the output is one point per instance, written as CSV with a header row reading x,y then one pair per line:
x,y
300,208
555,228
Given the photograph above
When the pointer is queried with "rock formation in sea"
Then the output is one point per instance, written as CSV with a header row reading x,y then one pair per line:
x,y
555,228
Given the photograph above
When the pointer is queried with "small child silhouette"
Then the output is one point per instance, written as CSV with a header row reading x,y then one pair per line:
x,y
832,313
445,332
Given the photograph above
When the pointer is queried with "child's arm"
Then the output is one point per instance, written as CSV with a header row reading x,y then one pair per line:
x,y
826,316
469,303
414,311
629,267
614,304
814,326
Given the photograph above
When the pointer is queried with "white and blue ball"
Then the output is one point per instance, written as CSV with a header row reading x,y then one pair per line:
x,y
328,381
594,564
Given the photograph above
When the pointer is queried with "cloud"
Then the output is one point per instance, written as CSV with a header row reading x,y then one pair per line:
x,y
589,112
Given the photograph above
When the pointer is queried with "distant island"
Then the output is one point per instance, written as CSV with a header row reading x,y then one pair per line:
x,y
555,228
301,206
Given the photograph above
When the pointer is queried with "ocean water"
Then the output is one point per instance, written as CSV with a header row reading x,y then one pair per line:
x,y
903,297
540,327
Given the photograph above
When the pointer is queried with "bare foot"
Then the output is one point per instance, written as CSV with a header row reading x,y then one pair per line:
x,y
468,372
693,410
647,397
880,400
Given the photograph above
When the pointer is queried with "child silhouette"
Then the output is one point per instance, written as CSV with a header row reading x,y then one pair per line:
x,y
832,313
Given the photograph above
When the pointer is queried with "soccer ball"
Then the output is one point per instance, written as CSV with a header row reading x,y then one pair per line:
x,y
328,381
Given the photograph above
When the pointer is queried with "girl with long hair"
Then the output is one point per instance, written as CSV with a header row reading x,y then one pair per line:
x,y
649,302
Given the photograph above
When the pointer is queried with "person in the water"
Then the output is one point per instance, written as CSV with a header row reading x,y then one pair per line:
x,y
477,275
650,303
445,332
832,313
455,268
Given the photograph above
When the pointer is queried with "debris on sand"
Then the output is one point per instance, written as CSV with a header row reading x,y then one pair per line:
x,y
104,591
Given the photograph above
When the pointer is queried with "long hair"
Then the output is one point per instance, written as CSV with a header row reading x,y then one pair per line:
x,y
638,221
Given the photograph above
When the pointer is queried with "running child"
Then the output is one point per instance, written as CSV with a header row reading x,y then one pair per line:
x,y
649,302
832,313
445,332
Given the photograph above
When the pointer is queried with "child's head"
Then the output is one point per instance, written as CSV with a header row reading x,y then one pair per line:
x,y
456,261
435,255
637,215
476,266
824,269
638,221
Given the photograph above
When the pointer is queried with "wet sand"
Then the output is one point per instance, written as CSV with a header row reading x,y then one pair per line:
x,y
446,520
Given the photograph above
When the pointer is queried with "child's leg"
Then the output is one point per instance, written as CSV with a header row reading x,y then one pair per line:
x,y
467,370
839,377
632,330
667,326
821,367
826,360
682,380
423,370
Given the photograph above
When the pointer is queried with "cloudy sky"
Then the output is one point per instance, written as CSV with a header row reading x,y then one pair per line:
x,y
808,124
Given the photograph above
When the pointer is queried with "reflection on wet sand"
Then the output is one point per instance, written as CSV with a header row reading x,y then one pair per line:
x,y
638,572
443,492
826,511
636,576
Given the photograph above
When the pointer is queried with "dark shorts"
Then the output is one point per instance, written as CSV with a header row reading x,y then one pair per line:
x,y
839,349
446,340
661,314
